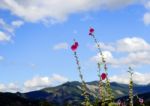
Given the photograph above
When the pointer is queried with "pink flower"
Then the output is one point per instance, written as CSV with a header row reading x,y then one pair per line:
x,y
91,31
103,76
74,46
141,100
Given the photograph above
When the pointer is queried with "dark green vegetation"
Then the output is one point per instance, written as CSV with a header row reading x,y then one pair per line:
x,y
9,99
69,94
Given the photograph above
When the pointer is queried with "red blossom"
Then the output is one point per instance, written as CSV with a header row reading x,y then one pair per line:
x,y
74,46
103,76
91,31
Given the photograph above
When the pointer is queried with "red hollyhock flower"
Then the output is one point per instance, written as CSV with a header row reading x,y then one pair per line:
x,y
103,76
91,31
74,46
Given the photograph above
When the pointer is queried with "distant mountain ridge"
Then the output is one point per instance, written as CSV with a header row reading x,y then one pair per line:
x,y
69,93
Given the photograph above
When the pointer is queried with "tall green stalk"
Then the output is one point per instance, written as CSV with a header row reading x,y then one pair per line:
x,y
108,88
101,93
131,86
83,87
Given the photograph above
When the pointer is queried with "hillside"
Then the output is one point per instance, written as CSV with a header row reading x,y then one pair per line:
x,y
69,94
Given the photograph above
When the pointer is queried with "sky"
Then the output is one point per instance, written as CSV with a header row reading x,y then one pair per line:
x,y
36,35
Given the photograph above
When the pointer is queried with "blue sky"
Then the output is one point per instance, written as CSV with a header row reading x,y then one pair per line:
x,y
35,40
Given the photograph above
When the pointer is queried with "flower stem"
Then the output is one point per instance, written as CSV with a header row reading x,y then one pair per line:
x,y
131,87
84,87
101,93
108,88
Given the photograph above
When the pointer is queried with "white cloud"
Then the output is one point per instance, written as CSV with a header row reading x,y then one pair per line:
x,y
4,37
108,57
133,44
138,58
104,46
138,78
146,18
17,23
2,87
147,5
59,78
7,30
57,10
10,28
11,87
129,44
135,52
131,59
4,26
61,46
35,83
40,82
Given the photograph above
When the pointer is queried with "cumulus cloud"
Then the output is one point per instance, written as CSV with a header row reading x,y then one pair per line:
x,y
17,23
138,78
11,87
146,18
61,46
132,59
35,83
10,28
7,30
129,44
41,82
106,46
4,26
57,10
147,4
133,44
4,37
108,57
136,52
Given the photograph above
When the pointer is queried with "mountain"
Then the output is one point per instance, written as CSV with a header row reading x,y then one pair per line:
x,y
69,94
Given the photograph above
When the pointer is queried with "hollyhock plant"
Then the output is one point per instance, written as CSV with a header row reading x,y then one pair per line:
x,y
105,96
84,87
131,86
74,46
108,88
91,31
103,76
101,93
